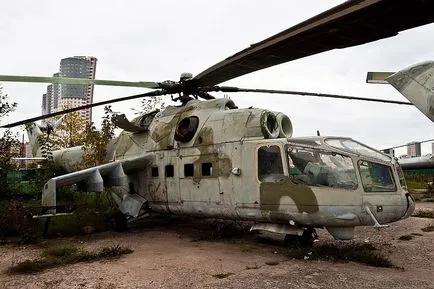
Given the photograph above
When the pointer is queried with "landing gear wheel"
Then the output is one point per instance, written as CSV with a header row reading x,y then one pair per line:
x,y
308,238
305,240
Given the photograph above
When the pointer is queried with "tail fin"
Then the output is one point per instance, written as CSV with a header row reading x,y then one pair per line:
x,y
416,83
34,133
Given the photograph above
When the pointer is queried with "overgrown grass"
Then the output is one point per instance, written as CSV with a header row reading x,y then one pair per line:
x,y
416,185
429,228
424,214
66,254
92,215
362,253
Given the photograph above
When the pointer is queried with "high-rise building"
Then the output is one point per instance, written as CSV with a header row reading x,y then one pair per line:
x,y
56,95
50,98
44,104
73,95
414,149
59,96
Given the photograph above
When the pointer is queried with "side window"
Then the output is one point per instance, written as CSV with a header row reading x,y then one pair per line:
x,y
269,164
206,169
154,172
376,177
169,171
188,170
321,168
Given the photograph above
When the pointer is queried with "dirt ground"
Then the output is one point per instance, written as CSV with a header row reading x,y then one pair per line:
x,y
173,253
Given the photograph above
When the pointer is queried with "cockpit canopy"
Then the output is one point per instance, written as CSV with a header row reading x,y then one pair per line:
x,y
347,145
354,147
340,163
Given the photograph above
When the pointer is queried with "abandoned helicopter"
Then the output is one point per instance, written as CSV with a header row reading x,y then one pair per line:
x,y
210,158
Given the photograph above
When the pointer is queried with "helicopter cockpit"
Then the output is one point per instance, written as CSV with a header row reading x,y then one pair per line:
x,y
336,162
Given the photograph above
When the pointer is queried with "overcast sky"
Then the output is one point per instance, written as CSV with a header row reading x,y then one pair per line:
x,y
157,40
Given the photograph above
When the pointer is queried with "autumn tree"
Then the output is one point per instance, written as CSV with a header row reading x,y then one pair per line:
x,y
95,141
71,132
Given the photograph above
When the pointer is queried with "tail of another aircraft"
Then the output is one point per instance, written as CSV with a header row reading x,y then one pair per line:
x,y
34,133
416,83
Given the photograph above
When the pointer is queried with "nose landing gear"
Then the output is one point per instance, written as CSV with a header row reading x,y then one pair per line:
x,y
307,239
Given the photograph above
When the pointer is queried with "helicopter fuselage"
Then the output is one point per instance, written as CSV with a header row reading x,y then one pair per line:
x,y
211,159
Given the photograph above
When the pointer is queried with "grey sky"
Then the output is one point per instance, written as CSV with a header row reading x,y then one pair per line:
x,y
157,40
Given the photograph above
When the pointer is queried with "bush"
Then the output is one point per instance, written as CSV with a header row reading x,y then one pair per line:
x,y
16,221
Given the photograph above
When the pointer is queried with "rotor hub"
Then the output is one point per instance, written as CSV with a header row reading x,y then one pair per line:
x,y
185,76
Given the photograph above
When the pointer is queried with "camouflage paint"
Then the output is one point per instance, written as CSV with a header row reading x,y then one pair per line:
x,y
302,195
162,131
221,165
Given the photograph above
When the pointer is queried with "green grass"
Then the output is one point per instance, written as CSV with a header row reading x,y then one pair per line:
x,y
415,185
361,253
66,254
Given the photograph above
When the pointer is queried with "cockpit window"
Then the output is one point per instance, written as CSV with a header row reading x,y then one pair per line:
x,y
376,177
354,147
270,167
401,176
321,168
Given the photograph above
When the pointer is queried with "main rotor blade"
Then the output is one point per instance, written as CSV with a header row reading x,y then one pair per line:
x,y
351,23
80,81
236,89
404,145
152,93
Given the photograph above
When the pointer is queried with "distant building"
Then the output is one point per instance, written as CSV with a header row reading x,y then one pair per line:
x,y
390,152
44,104
55,95
59,96
414,149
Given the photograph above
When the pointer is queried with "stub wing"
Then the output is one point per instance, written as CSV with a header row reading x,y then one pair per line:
x,y
114,174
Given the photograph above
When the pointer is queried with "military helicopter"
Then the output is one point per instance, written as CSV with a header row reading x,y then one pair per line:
x,y
206,157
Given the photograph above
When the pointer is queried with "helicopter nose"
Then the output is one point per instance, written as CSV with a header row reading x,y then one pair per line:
x,y
410,206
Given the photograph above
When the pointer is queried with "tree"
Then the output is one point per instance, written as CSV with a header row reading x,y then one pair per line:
x,y
71,132
96,141
5,106
9,144
151,103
